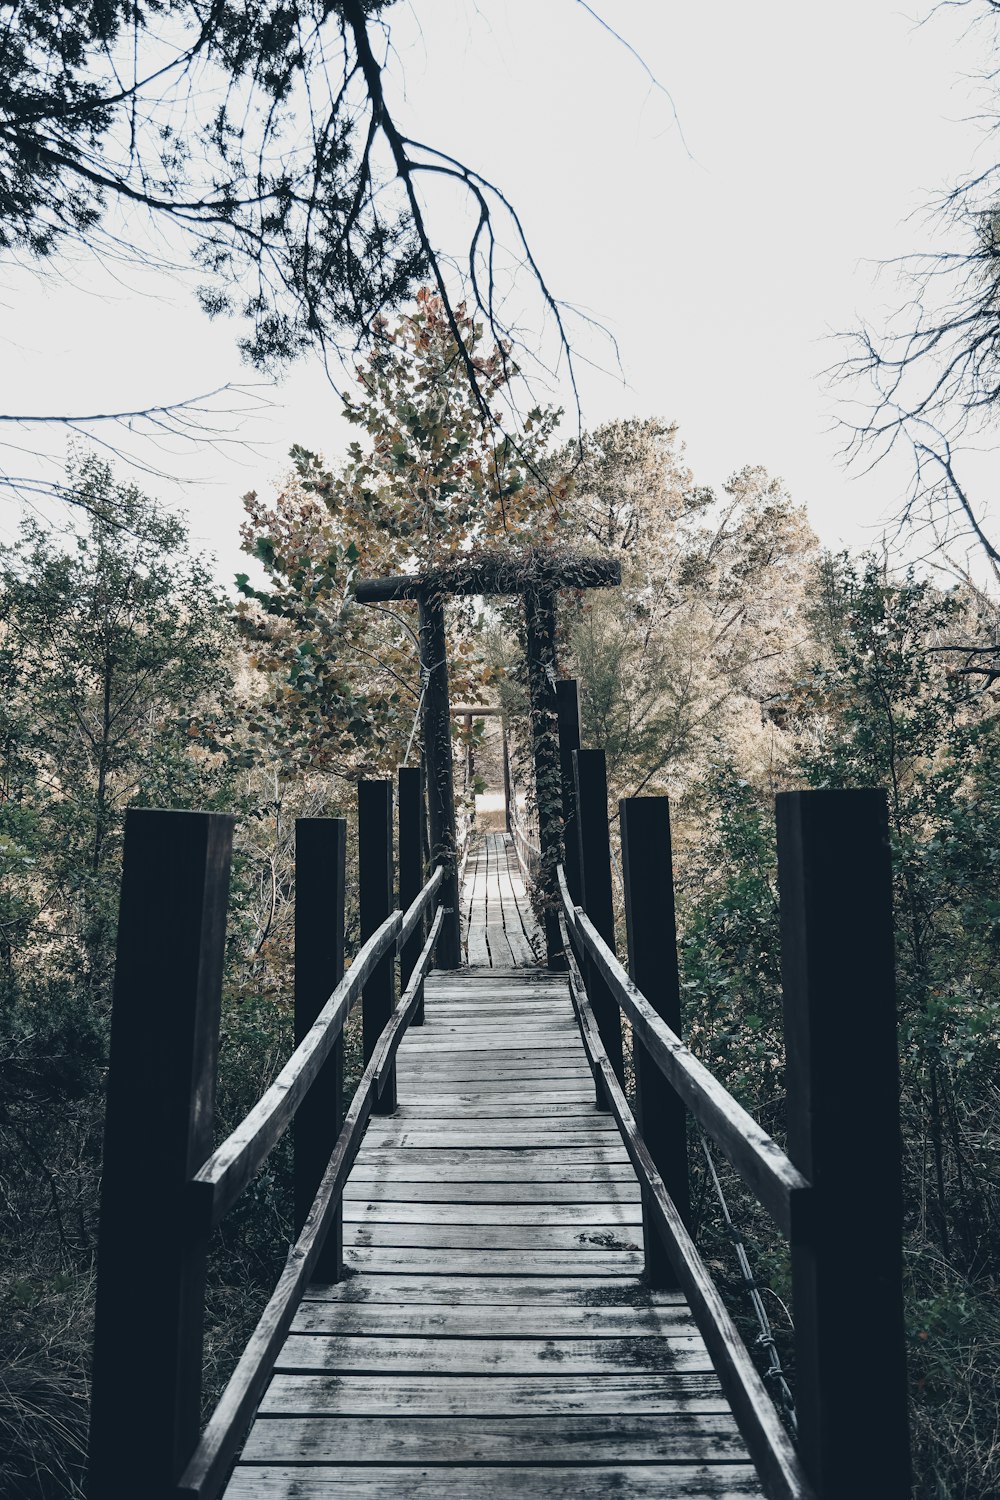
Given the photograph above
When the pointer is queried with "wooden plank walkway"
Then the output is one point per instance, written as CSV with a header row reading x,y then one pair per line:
x,y
493,1337
499,930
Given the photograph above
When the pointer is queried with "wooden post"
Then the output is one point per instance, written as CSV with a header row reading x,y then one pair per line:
x,y
439,774
146,1393
320,884
375,901
540,638
568,718
835,883
411,871
506,776
652,964
591,782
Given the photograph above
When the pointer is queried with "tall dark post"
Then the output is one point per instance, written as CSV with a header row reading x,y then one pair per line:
x,y
375,902
439,774
540,638
652,964
568,717
835,883
591,782
411,871
146,1395
506,775
320,882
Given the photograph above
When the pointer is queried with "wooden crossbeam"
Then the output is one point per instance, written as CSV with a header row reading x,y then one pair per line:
x,y
496,573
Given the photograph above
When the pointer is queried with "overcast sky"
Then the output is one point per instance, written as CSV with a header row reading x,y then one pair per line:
x,y
722,259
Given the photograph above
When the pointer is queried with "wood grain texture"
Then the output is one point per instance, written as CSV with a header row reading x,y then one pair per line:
x,y
516,1482
492,1395
493,1334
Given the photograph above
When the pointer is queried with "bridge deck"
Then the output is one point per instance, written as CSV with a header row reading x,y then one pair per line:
x,y
493,1337
498,926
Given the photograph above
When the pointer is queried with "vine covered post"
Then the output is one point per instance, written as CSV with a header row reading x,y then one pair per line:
x,y
376,903
647,866
837,964
320,886
540,639
439,772
151,1258
591,784
411,871
568,719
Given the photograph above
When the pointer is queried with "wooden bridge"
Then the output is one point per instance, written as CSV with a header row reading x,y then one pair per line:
x,y
493,1291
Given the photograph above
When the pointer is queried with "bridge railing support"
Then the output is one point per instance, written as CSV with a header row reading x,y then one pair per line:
x,y
647,867
411,870
591,785
375,869
843,1135
145,1409
320,889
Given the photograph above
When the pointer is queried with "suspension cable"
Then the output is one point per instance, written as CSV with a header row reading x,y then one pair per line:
x,y
765,1339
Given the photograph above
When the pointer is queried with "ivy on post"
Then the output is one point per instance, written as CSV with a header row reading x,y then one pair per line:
x,y
647,866
591,783
376,903
320,884
568,719
837,966
536,575
411,871
151,1259
540,641
439,772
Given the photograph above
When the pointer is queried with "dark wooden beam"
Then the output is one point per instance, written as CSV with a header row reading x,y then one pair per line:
x,y
540,642
411,871
842,1070
496,573
650,921
439,774
146,1399
568,717
375,903
320,884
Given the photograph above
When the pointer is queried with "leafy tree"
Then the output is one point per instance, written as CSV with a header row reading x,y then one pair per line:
x,y
431,479
701,633
107,647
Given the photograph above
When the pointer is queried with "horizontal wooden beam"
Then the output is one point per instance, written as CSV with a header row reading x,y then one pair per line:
x,y
770,1446
496,573
764,1167
208,1466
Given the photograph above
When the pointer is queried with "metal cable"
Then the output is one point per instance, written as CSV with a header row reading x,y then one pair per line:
x,y
765,1339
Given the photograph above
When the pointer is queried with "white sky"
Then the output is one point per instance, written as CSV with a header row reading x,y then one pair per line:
x,y
814,132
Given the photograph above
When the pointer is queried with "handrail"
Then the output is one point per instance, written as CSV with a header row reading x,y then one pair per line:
x,y
528,854
762,1164
218,1183
770,1446
218,1444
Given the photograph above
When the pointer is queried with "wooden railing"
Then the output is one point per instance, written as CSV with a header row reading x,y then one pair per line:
x,y
165,1189
836,1195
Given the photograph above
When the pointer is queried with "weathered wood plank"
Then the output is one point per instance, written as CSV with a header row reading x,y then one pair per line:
x,y
456,1167
550,1135
583,1239
505,1290
587,1193
492,1395
596,1155
603,1213
511,1482
571,1439
480,1321
445,1262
